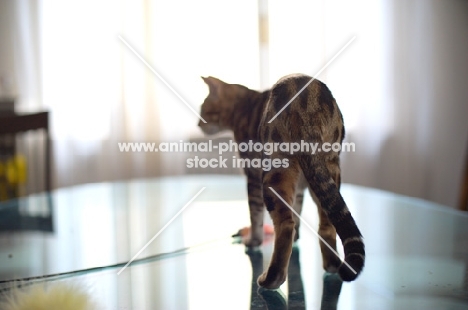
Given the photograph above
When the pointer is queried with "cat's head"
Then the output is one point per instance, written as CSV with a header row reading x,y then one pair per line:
x,y
215,107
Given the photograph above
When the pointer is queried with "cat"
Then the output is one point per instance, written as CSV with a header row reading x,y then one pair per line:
x,y
313,116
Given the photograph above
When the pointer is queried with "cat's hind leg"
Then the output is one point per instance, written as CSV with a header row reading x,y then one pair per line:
x,y
327,232
284,183
298,202
334,212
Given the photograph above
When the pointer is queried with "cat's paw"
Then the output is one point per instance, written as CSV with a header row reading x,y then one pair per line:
x,y
331,263
271,279
296,234
252,242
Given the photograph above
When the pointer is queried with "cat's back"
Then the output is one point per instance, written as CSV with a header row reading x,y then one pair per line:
x,y
303,93
297,101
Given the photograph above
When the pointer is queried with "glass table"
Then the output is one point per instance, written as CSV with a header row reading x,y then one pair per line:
x,y
417,251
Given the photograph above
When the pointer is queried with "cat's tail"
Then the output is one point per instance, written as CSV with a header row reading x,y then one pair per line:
x,y
331,201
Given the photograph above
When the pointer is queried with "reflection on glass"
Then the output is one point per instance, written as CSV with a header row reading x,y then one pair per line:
x,y
27,215
274,299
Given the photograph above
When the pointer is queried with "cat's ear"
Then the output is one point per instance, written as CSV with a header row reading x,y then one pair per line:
x,y
214,85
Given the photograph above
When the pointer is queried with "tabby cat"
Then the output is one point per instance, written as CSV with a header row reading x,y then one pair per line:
x,y
313,116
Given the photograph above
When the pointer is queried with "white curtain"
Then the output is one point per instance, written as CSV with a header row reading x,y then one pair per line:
x,y
401,84
70,61
424,151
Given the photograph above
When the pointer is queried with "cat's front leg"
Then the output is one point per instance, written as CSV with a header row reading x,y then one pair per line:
x,y
256,208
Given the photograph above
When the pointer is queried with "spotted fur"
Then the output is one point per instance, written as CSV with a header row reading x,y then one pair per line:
x,y
313,117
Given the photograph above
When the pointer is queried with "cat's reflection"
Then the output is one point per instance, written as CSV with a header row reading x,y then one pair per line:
x,y
274,299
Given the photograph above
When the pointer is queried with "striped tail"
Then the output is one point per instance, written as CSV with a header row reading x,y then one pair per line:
x,y
327,192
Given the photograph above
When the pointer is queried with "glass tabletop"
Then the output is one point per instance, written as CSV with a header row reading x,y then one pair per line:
x,y
183,255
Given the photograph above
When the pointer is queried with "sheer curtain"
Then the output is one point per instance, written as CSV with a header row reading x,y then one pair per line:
x,y
306,36
70,61
401,84
424,151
